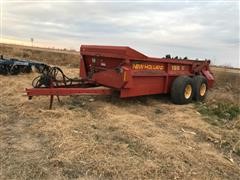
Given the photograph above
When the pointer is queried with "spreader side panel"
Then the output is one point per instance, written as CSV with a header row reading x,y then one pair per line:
x,y
145,86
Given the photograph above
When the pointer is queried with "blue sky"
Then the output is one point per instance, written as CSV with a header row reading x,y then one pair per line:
x,y
197,29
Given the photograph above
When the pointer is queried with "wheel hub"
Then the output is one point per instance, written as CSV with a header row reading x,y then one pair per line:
x,y
203,89
188,91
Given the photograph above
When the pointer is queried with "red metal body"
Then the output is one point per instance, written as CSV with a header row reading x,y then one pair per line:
x,y
133,73
128,71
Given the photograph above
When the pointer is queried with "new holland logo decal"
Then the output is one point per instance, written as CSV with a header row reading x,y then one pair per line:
x,y
147,67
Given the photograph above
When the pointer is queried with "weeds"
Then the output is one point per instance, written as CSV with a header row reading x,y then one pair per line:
x,y
221,111
238,152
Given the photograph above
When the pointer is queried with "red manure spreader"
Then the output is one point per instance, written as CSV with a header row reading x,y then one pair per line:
x,y
104,69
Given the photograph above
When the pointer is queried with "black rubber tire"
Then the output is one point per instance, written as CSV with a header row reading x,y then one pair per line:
x,y
178,89
197,83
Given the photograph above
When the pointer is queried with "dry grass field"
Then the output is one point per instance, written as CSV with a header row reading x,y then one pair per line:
x,y
52,56
110,138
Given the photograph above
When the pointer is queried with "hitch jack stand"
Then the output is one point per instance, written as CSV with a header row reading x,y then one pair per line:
x,y
51,101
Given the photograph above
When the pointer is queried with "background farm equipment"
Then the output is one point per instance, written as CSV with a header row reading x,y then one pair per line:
x,y
14,66
104,69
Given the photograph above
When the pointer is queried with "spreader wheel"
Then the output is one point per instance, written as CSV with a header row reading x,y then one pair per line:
x,y
200,87
182,90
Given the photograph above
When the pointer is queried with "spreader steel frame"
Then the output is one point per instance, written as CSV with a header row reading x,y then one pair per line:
x,y
105,69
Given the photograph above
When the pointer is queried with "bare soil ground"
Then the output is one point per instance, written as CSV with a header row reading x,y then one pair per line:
x,y
109,138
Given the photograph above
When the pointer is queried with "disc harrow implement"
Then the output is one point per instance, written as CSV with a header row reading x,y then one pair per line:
x,y
13,66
